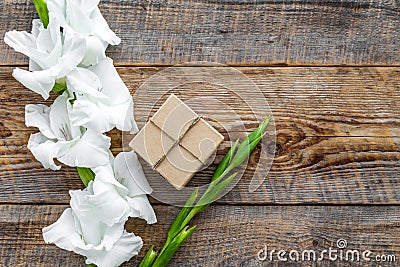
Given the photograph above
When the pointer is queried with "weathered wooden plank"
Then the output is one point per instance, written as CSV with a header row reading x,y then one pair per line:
x,y
239,32
338,138
339,101
312,170
225,235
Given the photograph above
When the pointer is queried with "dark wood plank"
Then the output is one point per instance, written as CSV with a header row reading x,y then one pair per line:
x,y
338,138
219,241
313,170
239,32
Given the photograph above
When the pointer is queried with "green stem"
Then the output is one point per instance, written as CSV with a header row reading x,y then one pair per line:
x,y
166,254
149,258
179,231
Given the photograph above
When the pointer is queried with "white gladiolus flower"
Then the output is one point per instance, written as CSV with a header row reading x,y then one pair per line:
x,y
113,108
52,54
79,230
58,138
125,175
84,17
93,226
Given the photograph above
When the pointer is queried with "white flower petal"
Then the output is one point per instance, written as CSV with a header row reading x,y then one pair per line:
x,y
36,26
74,48
44,150
49,42
105,173
125,248
59,120
132,192
38,116
24,43
83,17
89,151
40,82
93,222
129,173
62,232
110,207
101,118
77,18
84,81
52,54
102,30
141,208
85,112
57,9
96,51
112,84
114,109
114,244
121,116
33,66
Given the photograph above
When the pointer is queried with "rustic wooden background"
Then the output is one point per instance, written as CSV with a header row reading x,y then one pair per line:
x,y
331,72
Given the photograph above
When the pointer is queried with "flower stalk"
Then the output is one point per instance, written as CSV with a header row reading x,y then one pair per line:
x,y
179,230
86,174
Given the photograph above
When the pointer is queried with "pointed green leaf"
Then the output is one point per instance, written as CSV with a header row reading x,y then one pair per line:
x,y
225,161
43,12
149,258
86,175
244,152
166,255
177,224
260,130
214,192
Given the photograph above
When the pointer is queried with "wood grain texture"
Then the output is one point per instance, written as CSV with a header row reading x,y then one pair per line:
x,y
238,32
338,138
218,241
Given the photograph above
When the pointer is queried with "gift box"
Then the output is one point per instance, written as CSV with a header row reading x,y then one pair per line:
x,y
176,142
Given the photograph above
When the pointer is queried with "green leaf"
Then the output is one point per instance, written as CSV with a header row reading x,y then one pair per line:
x,y
208,197
244,152
59,88
179,231
260,130
86,175
213,193
225,161
43,12
148,258
166,255
177,224
246,147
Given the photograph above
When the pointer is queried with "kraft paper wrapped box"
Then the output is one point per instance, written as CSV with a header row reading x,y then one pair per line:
x,y
176,142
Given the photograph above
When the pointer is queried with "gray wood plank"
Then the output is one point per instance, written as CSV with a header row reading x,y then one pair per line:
x,y
239,32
